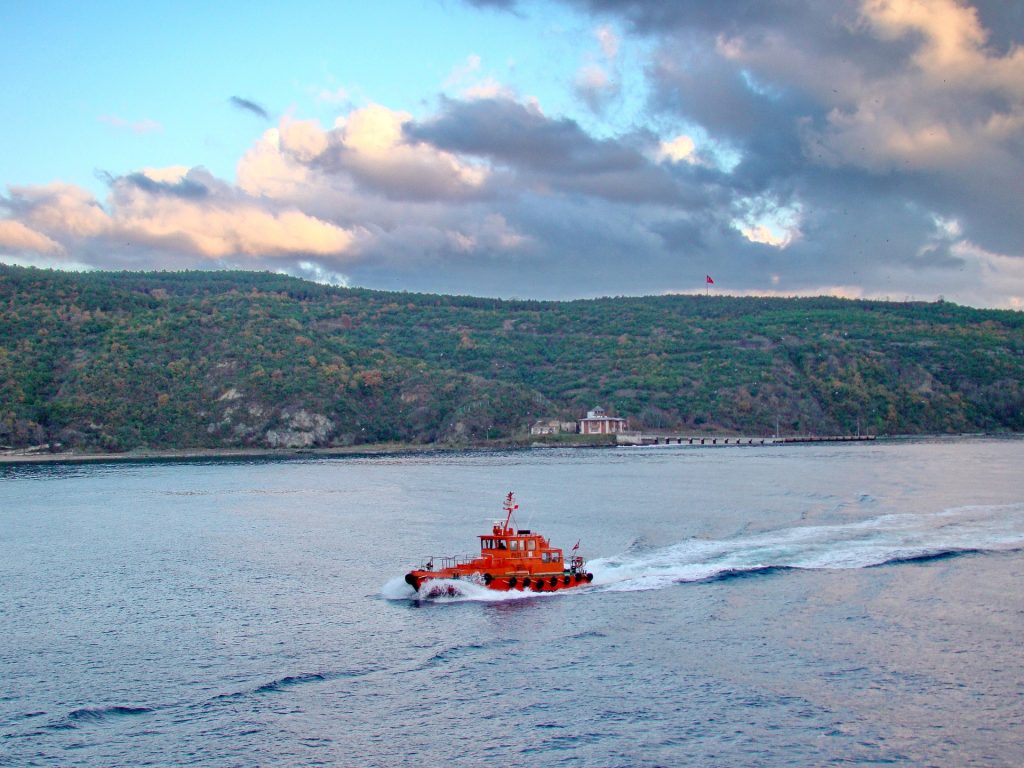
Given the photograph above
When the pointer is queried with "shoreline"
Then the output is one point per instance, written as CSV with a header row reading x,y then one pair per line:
x,y
192,454
16,458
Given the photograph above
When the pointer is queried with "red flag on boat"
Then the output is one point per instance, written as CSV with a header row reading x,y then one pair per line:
x,y
576,546
709,280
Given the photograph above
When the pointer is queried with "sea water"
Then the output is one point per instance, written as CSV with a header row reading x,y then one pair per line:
x,y
769,606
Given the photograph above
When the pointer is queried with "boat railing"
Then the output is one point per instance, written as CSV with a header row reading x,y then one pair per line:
x,y
440,562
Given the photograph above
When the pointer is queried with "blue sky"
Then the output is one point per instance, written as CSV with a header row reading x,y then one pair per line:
x,y
548,148
69,68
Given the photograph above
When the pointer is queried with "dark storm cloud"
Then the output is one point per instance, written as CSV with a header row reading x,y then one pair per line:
x,y
186,188
847,109
1004,21
549,152
512,133
656,15
249,106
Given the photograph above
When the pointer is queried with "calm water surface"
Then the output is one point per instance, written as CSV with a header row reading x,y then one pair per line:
x,y
801,605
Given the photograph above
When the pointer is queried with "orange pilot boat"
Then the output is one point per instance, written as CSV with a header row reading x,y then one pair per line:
x,y
510,558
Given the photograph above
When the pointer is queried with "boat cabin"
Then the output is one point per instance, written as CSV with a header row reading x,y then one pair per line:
x,y
507,544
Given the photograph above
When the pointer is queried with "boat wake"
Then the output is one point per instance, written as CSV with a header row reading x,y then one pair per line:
x,y
884,540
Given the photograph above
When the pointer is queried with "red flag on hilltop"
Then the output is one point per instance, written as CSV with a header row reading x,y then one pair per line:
x,y
709,280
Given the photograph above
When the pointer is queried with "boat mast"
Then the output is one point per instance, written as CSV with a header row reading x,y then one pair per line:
x,y
510,507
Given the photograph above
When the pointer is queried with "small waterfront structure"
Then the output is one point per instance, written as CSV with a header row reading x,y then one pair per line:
x,y
552,427
598,422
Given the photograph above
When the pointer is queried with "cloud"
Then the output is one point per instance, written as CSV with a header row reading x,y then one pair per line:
x,y
608,40
862,148
595,87
891,112
597,83
249,106
368,147
59,210
547,155
218,223
335,95
155,211
17,238
182,187
463,71
678,149
138,127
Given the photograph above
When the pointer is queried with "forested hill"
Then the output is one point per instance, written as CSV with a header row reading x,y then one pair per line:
x,y
117,361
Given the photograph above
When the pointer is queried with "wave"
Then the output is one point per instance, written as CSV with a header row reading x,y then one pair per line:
x,y
878,541
289,681
88,715
95,714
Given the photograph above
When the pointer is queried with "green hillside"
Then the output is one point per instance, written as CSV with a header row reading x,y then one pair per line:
x,y
116,361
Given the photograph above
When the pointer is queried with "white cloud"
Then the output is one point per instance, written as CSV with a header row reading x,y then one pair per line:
x,y
375,148
955,105
679,149
463,71
61,210
952,51
219,224
17,238
135,126
311,270
267,169
489,88
334,95
769,222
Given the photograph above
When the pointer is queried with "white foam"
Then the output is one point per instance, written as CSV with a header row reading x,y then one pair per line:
x,y
397,589
454,591
875,541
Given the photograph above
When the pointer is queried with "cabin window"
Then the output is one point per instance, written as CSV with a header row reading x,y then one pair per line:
x,y
488,544
514,544
555,557
531,544
545,557
501,544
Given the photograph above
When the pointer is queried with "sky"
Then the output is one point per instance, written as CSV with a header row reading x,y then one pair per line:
x,y
549,149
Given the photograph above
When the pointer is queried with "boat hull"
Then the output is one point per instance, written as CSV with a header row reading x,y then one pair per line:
x,y
516,582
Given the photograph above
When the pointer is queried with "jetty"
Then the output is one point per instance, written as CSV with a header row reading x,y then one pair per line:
x,y
641,438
